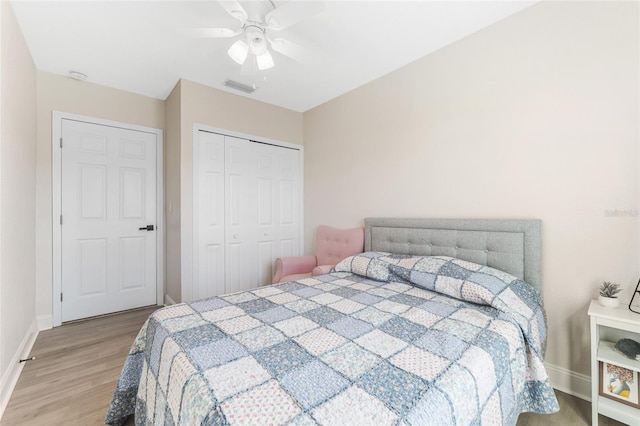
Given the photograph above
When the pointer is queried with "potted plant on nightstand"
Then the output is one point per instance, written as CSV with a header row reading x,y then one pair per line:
x,y
608,294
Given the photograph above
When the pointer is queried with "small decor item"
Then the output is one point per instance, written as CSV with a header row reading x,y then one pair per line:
x,y
608,294
629,348
620,384
635,293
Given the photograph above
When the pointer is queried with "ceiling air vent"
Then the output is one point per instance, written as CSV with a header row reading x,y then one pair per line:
x,y
239,86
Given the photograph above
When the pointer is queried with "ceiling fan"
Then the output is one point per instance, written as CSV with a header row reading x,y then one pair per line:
x,y
258,19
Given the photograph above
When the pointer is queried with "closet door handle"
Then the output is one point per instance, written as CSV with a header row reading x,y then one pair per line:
x,y
146,228
235,236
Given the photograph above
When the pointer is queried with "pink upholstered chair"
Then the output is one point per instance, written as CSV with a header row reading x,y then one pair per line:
x,y
332,245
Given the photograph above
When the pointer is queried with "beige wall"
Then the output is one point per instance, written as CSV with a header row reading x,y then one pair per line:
x,y
17,190
58,93
534,117
172,192
212,107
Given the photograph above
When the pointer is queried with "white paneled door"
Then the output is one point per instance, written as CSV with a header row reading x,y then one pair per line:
x,y
108,219
209,212
240,210
277,226
246,212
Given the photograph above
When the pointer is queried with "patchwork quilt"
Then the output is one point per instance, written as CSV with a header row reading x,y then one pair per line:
x,y
382,340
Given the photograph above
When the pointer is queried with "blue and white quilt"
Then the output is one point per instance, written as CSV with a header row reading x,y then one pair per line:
x,y
383,340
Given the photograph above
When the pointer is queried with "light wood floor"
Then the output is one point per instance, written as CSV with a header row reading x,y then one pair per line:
x,y
72,379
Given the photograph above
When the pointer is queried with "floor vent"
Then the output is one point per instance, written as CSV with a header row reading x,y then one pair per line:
x,y
239,86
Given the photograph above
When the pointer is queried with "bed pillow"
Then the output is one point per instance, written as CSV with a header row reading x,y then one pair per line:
x,y
466,281
470,282
453,277
375,265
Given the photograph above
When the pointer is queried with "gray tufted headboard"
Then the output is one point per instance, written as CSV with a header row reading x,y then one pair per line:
x,y
513,246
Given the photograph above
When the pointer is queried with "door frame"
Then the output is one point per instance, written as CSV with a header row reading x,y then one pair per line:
x,y
189,244
56,189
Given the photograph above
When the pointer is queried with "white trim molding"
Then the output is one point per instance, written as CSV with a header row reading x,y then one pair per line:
x,y
56,158
12,374
168,300
45,322
567,381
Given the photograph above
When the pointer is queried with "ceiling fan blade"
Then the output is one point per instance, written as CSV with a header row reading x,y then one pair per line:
x,y
214,32
291,13
290,49
234,9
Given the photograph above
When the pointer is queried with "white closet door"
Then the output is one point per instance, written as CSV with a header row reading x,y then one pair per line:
x,y
209,210
241,207
265,182
262,179
246,210
277,214
288,202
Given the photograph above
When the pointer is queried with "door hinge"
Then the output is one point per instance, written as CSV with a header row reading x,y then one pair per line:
x,y
60,142
60,219
61,297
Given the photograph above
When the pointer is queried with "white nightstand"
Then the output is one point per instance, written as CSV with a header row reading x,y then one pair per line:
x,y
607,326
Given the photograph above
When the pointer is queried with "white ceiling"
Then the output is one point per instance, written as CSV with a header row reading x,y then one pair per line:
x,y
146,46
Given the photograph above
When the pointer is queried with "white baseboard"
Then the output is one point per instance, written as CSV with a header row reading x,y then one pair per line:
x,y
168,300
10,377
567,381
45,322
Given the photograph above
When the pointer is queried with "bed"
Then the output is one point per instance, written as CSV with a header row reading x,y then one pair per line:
x,y
439,322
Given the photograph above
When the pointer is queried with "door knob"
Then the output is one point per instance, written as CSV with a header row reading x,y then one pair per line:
x,y
235,236
146,228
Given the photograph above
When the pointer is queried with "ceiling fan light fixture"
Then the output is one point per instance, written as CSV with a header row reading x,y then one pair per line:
x,y
255,38
265,16
238,51
265,61
258,47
